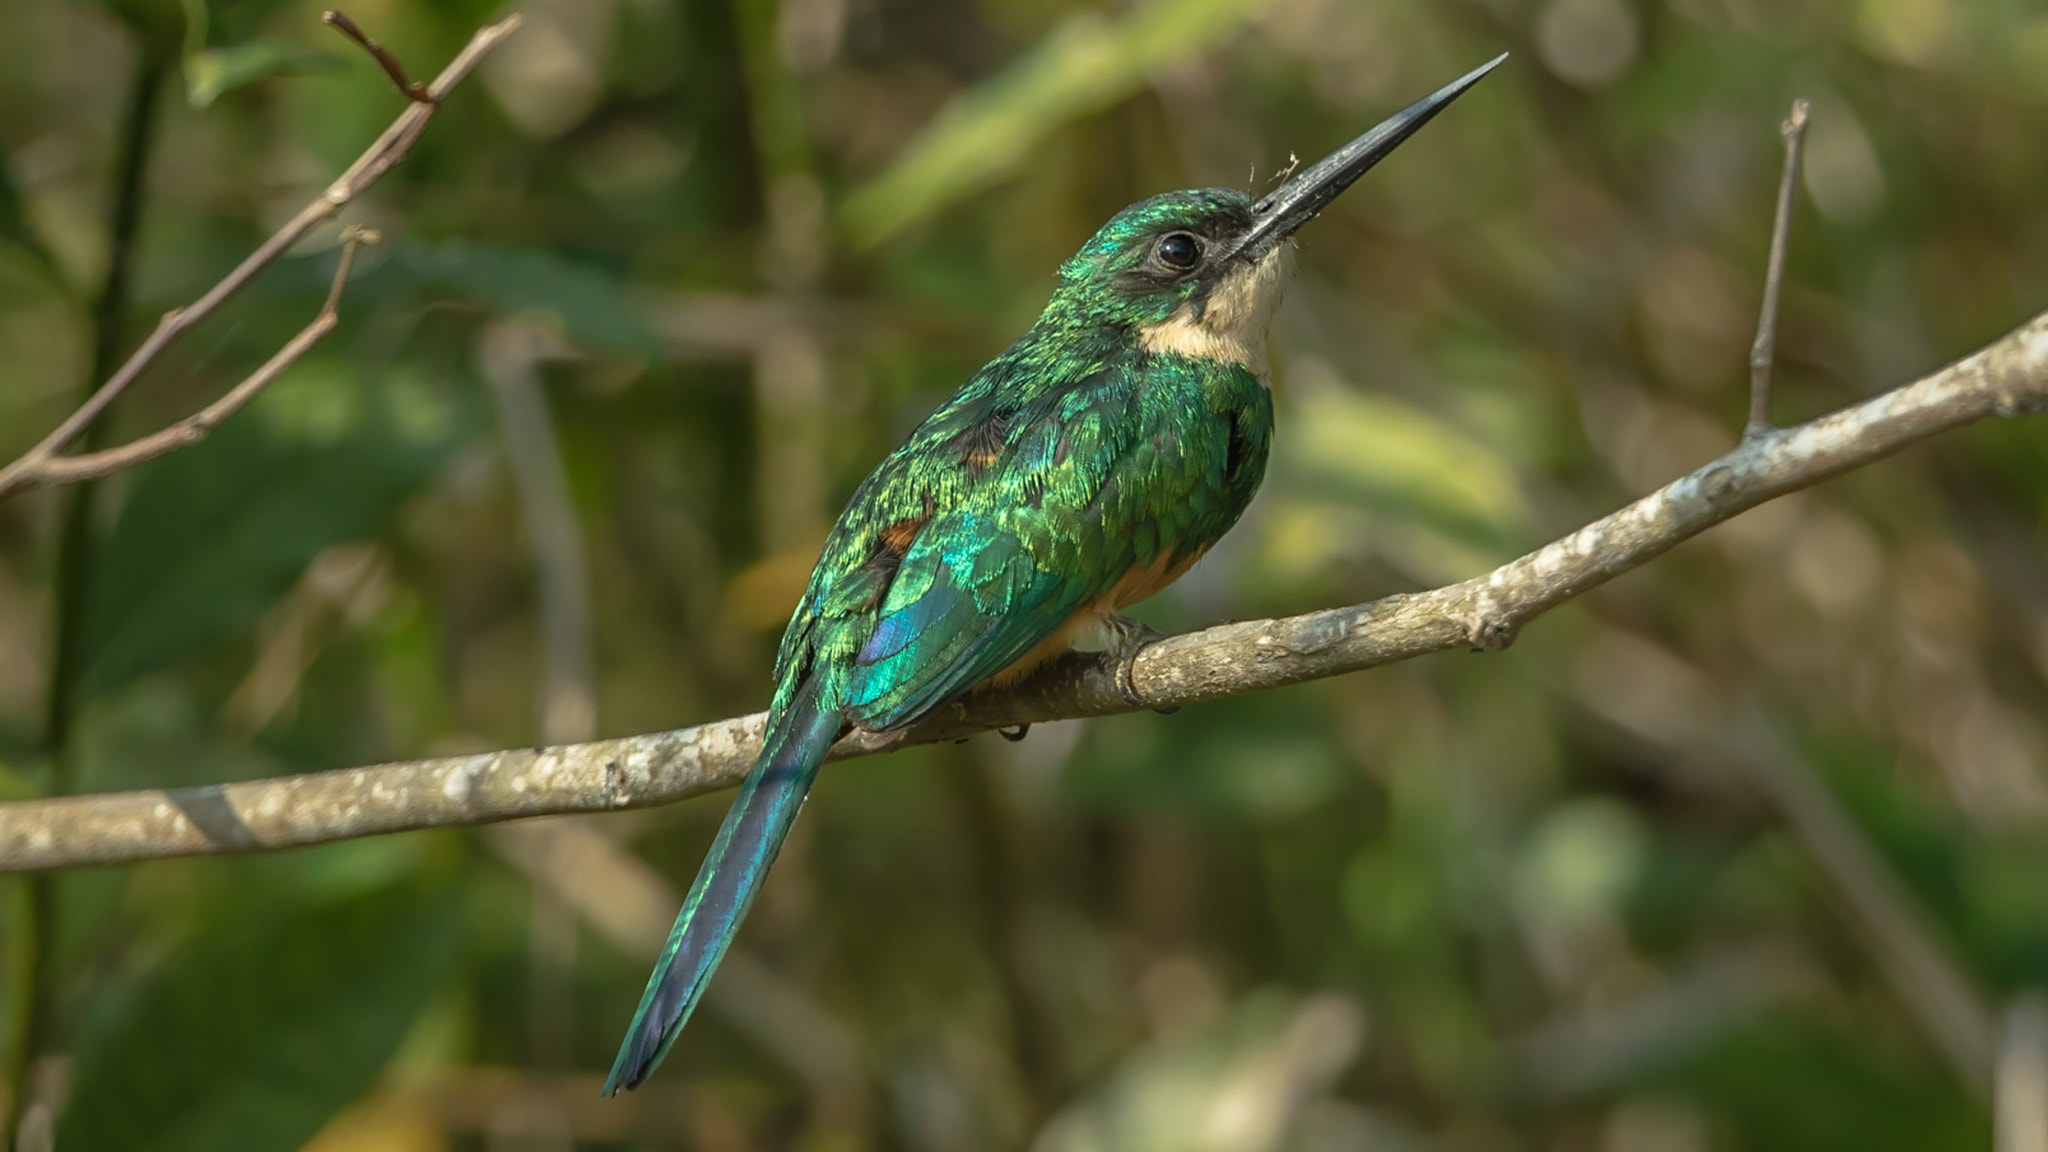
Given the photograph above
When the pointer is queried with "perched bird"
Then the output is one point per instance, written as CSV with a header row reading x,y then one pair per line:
x,y
1082,470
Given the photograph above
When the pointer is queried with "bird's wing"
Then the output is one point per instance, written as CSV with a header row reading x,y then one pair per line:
x,y
1028,537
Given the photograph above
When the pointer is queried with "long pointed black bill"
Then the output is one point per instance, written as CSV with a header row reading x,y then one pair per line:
x,y
1296,202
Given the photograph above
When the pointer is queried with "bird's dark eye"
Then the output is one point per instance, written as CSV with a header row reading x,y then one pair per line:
x,y
1178,251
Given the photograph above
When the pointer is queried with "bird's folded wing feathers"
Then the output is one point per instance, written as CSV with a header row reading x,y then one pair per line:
x,y
957,633
986,580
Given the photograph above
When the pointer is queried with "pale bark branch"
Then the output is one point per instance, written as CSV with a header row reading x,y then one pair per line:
x,y
2008,378
43,465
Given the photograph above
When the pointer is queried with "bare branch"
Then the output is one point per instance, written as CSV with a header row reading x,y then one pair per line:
x,y
194,428
2008,378
1765,351
42,465
411,89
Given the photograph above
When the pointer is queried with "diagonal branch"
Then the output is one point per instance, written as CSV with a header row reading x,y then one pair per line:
x,y
44,465
2008,378
194,428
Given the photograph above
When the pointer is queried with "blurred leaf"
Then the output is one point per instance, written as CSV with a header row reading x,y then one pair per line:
x,y
210,73
590,304
1086,64
211,535
1389,455
259,1030
1363,473
1240,1084
1579,864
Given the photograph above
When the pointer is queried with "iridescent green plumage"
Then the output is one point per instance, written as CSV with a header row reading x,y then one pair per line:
x,y
1071,459
1080,471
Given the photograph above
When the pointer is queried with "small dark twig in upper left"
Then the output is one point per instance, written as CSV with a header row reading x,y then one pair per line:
x,y
412,89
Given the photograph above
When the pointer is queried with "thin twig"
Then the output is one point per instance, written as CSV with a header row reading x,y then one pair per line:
x,y
2008,378
411,89
41,465
194,428
1764,352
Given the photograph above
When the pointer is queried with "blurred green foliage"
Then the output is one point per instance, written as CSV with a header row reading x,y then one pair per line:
x,y
1468,904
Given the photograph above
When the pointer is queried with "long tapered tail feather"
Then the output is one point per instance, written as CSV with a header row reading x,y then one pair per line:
x,y
747,843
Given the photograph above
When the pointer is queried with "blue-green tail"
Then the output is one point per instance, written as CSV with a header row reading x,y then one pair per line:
x,y
747,843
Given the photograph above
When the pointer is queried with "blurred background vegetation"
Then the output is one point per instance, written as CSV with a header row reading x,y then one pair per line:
x,y
699,263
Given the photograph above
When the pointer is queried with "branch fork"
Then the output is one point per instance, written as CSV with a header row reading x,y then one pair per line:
x,y
45,464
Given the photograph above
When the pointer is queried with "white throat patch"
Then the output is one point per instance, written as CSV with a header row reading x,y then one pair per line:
x,y
1233,325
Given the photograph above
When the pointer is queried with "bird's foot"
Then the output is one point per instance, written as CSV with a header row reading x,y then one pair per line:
x,y
1014,734
1128,638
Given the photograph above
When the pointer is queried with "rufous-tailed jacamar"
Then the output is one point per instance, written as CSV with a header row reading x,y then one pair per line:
x,y
1082,470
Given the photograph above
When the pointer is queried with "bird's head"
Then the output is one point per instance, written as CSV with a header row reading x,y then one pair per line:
x,y
1199,272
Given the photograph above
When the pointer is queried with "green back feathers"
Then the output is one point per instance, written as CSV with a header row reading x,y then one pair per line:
x,y
1070,458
